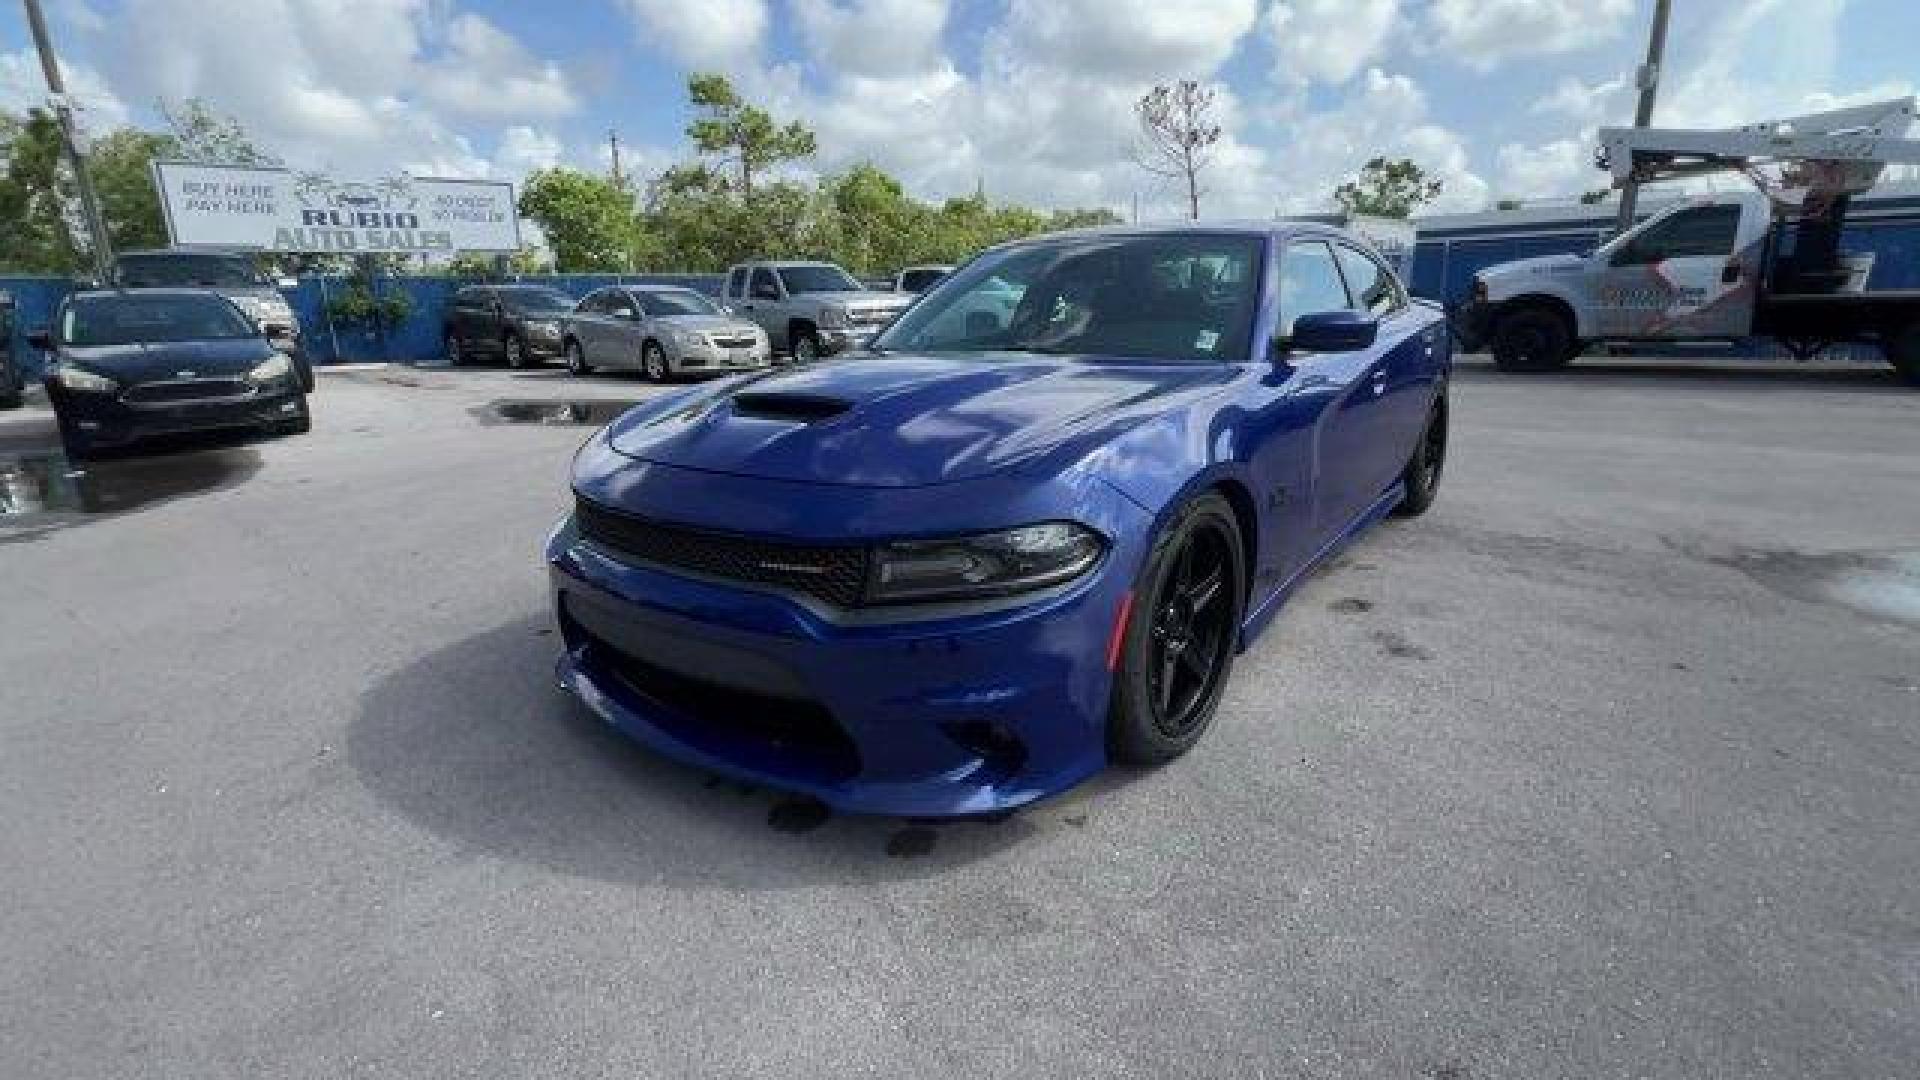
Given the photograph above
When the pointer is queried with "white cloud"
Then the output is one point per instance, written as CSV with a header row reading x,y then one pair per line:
x,y
523,149
703,33
24,86
1599,103
874,38
1483,32
1122,42
1328,40
1383,115
487,72
1559,169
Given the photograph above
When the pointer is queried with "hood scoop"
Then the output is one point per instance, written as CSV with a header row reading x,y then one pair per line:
x,y
791,408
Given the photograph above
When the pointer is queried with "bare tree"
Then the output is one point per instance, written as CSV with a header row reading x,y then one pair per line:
x,y
1177,134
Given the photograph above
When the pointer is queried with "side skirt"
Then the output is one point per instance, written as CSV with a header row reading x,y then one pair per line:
x,y
1270,607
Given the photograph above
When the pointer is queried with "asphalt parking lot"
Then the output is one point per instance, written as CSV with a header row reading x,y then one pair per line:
x,y
1608,767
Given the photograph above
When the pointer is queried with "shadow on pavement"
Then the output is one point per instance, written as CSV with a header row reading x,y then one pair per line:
x,y
475,744
1729,375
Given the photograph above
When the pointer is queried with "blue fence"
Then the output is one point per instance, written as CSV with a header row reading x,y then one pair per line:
x,y
414,340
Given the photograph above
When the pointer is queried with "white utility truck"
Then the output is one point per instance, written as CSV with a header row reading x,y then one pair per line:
x,y
1721,267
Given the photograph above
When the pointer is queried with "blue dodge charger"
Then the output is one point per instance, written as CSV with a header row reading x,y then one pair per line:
x,y
1021,538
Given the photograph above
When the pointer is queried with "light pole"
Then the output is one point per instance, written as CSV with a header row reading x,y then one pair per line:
x,y
63,113
1648,78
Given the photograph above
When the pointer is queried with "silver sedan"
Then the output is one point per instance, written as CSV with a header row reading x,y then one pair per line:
x,y
660,332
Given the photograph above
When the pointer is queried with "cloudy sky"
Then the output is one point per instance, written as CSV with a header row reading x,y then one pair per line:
x,y
1030,97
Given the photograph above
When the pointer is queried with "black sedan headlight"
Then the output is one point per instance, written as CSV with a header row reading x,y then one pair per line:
x,y
982,565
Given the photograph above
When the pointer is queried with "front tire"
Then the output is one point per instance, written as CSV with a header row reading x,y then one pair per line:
x,y
577,365
653,362
1181,635
806,346
1421,480
1903,352
516,351
1532,339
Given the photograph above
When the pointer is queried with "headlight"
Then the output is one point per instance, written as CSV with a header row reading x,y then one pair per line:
x,y
833,318
274,367
987,564
85,382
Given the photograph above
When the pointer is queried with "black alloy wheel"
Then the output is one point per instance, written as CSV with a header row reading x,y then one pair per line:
x,y
577,359
1181,635
1532,339
1429,460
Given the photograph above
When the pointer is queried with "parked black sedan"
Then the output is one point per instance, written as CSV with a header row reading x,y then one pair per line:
x,y
126,365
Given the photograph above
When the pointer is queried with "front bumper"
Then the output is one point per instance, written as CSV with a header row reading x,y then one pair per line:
x,y
964,715
714,358
104,420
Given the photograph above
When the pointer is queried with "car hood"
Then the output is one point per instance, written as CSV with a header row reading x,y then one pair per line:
x,y
905,420
163,360
708,324
1548,265
890,300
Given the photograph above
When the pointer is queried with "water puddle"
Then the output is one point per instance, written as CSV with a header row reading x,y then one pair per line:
x,y
585,412
1882,585
44,488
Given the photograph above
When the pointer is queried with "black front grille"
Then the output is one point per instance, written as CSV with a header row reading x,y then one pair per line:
x,y
836,574
723,341
194,390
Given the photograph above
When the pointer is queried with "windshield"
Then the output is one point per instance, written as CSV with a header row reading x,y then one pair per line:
x,y
176,269
531,299
91,321
1182,297
920,280
806,279
677,302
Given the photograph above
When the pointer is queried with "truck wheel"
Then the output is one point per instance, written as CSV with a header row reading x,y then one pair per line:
x,y
1532,339
1903,351
806,346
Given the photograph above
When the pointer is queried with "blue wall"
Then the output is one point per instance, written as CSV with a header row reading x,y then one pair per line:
x,y
417,339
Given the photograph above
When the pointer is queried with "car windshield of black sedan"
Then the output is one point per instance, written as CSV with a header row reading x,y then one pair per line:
x,y
661,304
176,269
94,321
1176,297
536,300
806,279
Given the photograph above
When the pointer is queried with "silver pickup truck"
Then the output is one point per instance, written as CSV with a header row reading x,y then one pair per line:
x,y
810,309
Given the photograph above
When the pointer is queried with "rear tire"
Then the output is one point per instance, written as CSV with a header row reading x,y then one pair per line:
x,y
1182,632
1903,352
1421,480
1532,339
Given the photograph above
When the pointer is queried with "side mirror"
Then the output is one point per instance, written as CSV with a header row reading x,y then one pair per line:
x,y
40,339
1334,332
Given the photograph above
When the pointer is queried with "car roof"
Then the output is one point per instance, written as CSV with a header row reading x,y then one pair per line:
x,y
1243,227
176,291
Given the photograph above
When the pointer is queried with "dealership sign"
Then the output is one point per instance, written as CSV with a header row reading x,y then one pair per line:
x,y
284,210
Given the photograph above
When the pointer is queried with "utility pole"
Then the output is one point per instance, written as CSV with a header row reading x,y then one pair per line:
x,y
1648,79
69,138
613,138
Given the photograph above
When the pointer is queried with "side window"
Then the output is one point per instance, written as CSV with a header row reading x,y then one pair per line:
x,y
619,304
737,282
1373,289
1309,283
764,286
1699,231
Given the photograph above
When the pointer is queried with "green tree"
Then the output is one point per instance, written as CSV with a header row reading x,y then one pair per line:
x,y
1388,189
36,230
726,126
198,133
588,219
123,177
